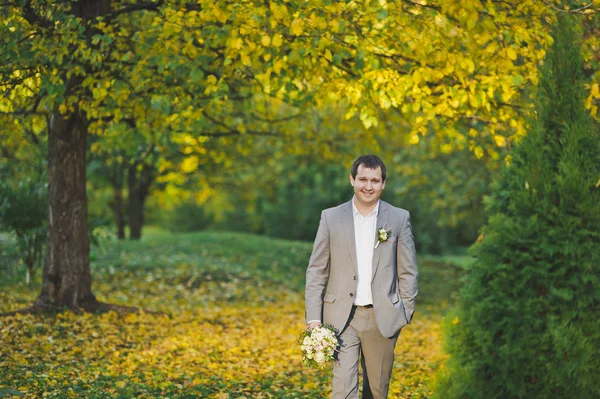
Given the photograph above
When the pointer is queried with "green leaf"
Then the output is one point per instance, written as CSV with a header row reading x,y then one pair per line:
x,y
196,75
382,14
337,59
8,392
517,80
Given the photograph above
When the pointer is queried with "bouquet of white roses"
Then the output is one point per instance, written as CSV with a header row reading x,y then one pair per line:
x,y
318,345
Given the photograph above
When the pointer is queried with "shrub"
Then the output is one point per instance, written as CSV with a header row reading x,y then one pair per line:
x,y
527,323
23,210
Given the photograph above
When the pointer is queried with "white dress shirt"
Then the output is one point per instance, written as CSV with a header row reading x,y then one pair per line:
x,y
364,236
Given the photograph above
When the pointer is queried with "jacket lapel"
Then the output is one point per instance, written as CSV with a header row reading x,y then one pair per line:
x,y
348,223
382,220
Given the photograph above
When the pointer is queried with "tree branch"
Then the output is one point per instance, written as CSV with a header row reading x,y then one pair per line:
x,y
276,120
515,106
151,6
33,17
23,113
574,11
477,118
343,68
231,131
32,136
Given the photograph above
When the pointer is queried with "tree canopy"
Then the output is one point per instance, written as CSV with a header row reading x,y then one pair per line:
x,y
170,86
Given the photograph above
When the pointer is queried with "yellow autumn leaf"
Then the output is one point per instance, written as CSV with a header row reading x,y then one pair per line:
x,y
479,152
277,66
416,77
500,140
511,53
229,348
189,164
297,27
277,40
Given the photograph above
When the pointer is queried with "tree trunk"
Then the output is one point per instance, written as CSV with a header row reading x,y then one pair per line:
x,y
115,175
139,180
67,279
30,258
119,212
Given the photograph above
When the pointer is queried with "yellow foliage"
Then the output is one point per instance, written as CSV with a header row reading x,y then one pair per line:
x,y
500,140
297,27
439,61
277,40
189,164
233,349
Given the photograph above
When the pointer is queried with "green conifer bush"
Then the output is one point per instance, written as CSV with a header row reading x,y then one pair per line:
x,y
528,320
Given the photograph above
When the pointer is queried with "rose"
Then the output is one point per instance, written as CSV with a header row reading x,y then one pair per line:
x,y
320,358
382,235
318,345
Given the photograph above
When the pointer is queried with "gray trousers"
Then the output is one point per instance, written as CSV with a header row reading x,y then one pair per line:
x,y
361,339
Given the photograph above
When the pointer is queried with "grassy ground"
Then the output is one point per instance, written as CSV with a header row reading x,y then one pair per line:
x,y
233,307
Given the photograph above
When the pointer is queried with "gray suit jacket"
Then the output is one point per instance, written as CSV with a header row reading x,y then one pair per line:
x,y
331,276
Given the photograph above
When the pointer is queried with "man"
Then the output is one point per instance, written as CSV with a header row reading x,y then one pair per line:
x,y
363,283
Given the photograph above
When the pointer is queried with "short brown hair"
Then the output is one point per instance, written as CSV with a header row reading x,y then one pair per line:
x,y
368,161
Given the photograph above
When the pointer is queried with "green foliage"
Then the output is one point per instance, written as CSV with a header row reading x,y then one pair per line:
x,y
186,217
23,206
9,393
528,321
442,187
210,257
235,311
282,201
302,192
442,191
168,77
23,211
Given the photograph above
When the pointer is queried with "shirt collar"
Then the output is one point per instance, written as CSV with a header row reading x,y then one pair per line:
x,y
355,210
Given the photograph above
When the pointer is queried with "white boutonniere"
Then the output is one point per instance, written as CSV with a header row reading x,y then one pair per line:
x,y
382,235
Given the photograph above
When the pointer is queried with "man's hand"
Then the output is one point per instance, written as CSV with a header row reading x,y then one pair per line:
x,y
313,324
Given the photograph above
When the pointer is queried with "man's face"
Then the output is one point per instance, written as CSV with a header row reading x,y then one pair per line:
x,y
368,185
